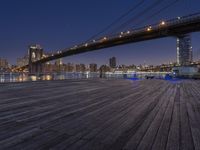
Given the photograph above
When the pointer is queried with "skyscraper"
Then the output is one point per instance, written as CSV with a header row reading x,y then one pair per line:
x,y
112,62
184,50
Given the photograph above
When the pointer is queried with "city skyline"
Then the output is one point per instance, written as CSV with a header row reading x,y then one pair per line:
x,y
24,27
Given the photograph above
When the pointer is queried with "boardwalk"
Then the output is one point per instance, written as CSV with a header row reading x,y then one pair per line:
x,y
100,115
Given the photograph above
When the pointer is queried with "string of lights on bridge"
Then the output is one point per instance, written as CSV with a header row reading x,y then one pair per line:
x,y
131,32
95,40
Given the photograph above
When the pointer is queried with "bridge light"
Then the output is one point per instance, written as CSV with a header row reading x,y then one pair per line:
x,y
162,23
149,28
75,47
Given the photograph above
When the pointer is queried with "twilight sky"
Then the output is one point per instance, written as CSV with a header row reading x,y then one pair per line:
x,y
58,24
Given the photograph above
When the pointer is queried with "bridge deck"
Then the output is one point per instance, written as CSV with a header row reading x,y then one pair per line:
x,y
100,114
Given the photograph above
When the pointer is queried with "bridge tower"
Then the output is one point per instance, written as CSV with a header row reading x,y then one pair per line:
x,y
35,53
184,50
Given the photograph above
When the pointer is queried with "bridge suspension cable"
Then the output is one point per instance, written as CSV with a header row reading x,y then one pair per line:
x,y
157,13
137,16
118,19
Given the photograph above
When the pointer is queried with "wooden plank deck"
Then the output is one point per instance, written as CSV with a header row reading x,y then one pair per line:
x,y
100,115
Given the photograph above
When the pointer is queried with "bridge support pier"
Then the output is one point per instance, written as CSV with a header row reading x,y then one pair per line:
x,y
184,50
35,69
35,54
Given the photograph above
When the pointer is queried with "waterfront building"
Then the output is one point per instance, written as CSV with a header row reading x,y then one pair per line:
x,y
69,67
112,62
93,67
48,68
184,50
3,63
80,68
104,68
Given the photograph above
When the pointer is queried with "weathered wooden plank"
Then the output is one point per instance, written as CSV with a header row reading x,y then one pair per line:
x,y
186,135
163,132
173,142
133,121
4,144
193,114
137,137
149,137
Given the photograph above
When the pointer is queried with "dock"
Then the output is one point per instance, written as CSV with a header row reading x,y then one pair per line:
x,y
100,114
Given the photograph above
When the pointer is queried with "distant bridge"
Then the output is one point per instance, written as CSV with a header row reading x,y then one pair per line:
x,y
174,27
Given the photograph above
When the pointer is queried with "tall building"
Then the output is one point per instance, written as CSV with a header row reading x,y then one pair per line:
x,y
69,67
184,50
80,68
93,68
3,63
112,62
